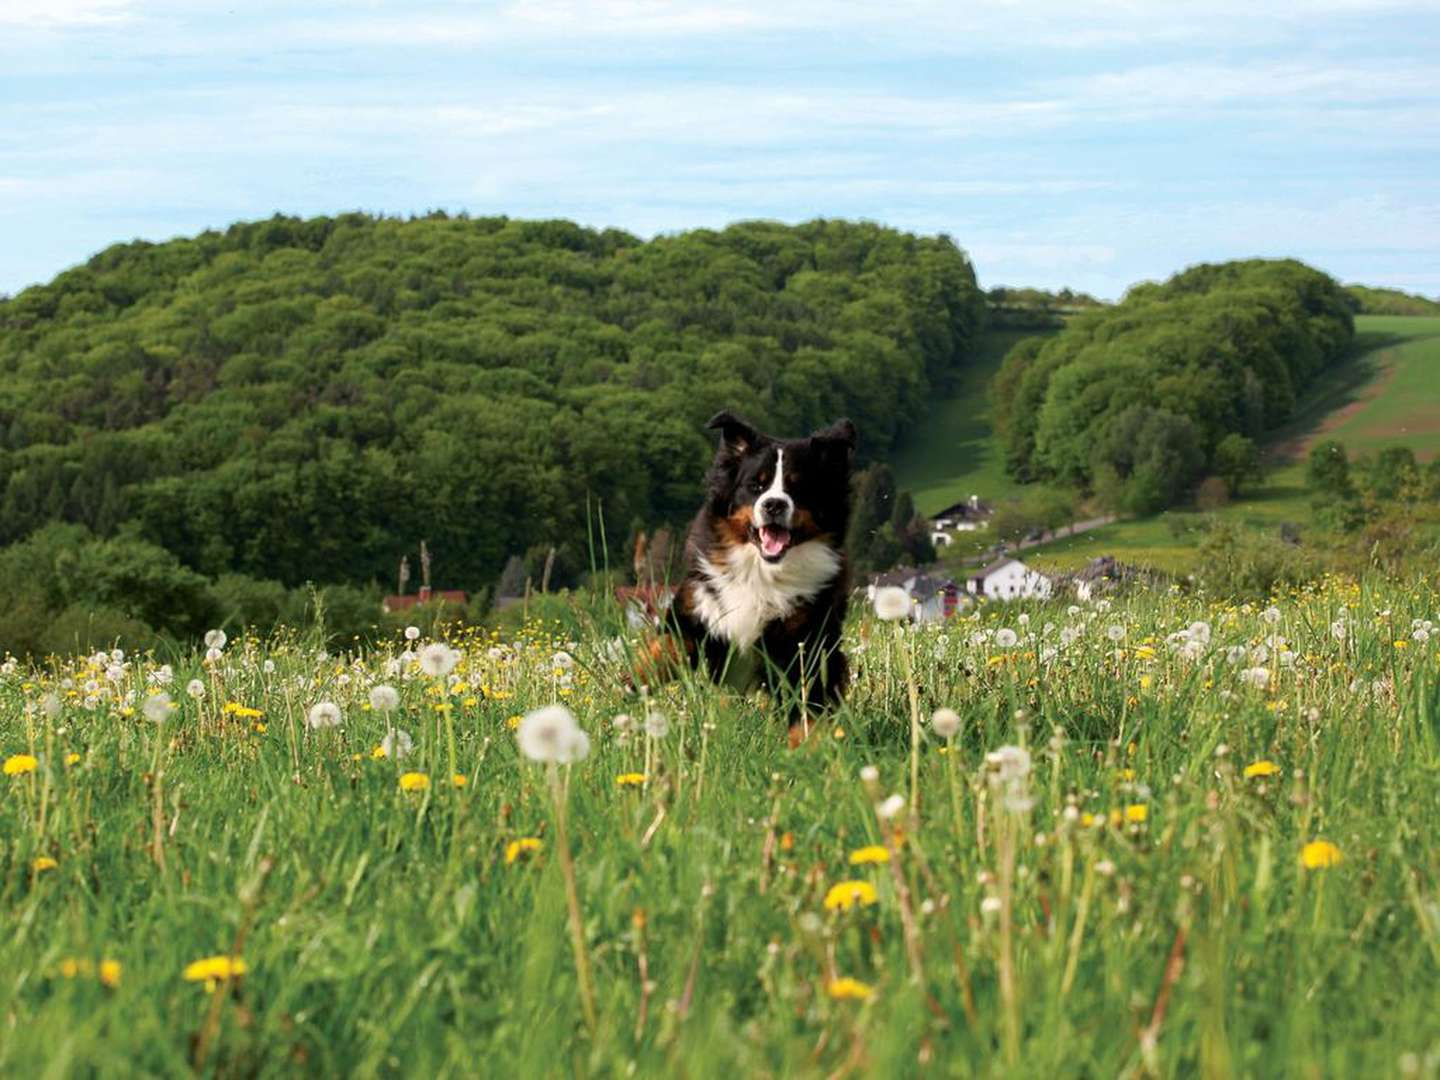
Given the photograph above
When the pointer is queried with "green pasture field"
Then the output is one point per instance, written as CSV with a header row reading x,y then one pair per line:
x,y
951,453
1202,843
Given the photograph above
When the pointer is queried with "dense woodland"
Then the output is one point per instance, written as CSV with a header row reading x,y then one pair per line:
x,y
295,401
1372,301
1139,401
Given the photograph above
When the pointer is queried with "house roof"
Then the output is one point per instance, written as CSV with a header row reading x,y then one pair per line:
x,y
964,509
998,565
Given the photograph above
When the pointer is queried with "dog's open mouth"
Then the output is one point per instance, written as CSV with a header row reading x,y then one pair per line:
x,y
774,540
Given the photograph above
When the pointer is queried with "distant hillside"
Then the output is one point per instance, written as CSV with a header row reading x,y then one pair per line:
x,y
1372,301
304,400
1134,401
1025,308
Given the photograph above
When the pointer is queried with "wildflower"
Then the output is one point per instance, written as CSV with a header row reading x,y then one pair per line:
x,y
384,698
19,764
414,781
244,712
1260,768
1199,632
43,863
551,735
563,660
1338,630
872,853
412,633
1320,855
437,659
991,905
162,676
195,688
323,714
622,722
847,894
890,807
1136,813
110,973
517,849
459,780
72,758
1271,614
212,969
1009,763
268,667
396,744
891,603
1115,632
1256,676
630,779
657,724
1006,638
869,774
215,639
848,989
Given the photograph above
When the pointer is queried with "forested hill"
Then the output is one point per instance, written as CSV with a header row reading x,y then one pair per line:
x,y
1137,401
306,399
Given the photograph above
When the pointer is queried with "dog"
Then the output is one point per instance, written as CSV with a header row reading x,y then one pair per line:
x,y
765,572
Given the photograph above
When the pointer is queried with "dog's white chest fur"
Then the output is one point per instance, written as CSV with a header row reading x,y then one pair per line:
x,y
746,592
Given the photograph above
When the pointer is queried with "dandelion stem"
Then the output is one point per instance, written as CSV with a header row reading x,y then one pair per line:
x,y
572,899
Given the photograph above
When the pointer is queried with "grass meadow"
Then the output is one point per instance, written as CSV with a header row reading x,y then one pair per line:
x,y
1159,836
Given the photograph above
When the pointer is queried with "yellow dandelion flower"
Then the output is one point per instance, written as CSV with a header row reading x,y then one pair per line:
x,y
110,973
847,894
1137,812
414,781
518,849
459,780
1402,644
43,863
1260,768
19,764
630,779
1126,774
70,967
470,702
848,989
513,722
1320,855
873,853
72,758
377,753
260,729
213,968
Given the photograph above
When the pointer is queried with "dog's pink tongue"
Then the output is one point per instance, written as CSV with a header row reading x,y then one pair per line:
x,y
773,540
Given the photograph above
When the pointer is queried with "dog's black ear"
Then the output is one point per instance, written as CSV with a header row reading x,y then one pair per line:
x,y
842,431
736,434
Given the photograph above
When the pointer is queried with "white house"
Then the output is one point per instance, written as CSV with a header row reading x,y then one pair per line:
x,y
1009,579
967,516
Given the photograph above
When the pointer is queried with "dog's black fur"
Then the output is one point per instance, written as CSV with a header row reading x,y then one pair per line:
x,y
765,563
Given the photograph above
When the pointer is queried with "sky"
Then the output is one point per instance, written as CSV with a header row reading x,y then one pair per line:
x,y
1060,144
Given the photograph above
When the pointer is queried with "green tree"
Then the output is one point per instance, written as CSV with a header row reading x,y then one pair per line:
x,y
1236,460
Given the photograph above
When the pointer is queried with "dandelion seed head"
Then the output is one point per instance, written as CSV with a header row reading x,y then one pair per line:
x,y
437,659
657,724
397,744
384,698
545,734
891,603
412,633
195,688
945,722
1006,638
323,714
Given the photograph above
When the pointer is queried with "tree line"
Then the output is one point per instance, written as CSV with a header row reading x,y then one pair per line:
x,y
291,401
1137,402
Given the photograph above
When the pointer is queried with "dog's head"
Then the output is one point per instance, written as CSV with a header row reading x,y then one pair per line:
x,y
779,493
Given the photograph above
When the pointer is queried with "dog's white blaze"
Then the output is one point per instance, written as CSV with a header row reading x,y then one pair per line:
x,y
750,592
776,490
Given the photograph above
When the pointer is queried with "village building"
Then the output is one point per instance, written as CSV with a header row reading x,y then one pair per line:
x,y
1009,579
934,597
970,515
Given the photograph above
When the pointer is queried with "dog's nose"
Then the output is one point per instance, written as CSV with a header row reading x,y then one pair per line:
x,y
774,508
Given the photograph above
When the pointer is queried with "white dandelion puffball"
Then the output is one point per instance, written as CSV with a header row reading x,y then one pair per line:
x,y
1338,629
437,659
945,722
869,774
891,603
397,744
323,714
195,688
892,806
268,667
384,698
1023,619
212,654
1009,763
546,734
1199,631
1005,637
412,633
1256,676
215,639
156,708
1271,615
576,748
563,660
117,655
657,724
51,705
1115,632
162,675
622,722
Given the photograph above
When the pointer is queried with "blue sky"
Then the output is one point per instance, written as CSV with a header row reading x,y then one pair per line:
x,y
1059,143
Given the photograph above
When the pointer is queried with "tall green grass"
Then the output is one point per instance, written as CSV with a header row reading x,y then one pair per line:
x,y
1015,930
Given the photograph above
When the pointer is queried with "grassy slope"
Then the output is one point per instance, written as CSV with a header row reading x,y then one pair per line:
x,y
950,455
1388,394
391,937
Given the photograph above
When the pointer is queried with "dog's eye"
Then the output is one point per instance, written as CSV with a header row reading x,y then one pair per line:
x,y
757,485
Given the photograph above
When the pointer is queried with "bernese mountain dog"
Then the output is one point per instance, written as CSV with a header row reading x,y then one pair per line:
x,y
763,598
